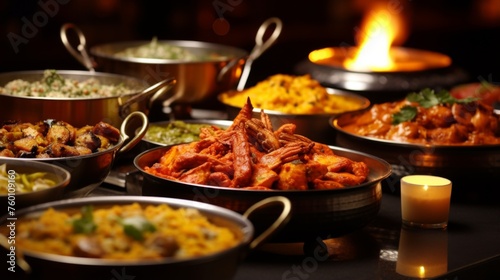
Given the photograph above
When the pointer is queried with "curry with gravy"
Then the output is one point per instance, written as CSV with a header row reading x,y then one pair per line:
x,y
429,117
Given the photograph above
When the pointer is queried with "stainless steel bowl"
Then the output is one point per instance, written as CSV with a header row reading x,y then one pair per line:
x,y
471,168
314,126
17,201
197,80
316,213
79,111
220,266
89,171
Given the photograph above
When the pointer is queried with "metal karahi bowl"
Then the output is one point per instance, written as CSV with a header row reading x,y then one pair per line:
x,y
315,213
197,79
314,126
472,168
17,200
221,265
79,111
89,171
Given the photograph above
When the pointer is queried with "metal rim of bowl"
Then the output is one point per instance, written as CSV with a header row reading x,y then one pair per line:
x,y
102,51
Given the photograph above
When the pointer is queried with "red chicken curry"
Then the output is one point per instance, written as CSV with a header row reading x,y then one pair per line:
x,y
428,117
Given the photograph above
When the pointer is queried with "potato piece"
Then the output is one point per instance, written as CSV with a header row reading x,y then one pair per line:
x,y
88,140
26,144
62,150
59,133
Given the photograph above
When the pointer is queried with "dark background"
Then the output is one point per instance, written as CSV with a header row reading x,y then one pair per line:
x,y
467,31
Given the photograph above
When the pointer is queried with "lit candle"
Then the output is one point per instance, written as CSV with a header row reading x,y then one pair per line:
x,y
425,201
422,253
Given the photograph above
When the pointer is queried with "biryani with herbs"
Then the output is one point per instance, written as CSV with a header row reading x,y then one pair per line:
x,y
54,85
292,95
124,232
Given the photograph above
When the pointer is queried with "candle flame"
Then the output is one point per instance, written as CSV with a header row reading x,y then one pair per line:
x,y
426,187
421,271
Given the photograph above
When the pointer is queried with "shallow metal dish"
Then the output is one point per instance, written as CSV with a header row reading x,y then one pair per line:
x,y
314,126
78,111
381,86
148,143
89,171
220,266
21,200
469,167
316,213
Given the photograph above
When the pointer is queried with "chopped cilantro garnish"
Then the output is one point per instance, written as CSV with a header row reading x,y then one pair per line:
x,y
406,113
86,222
426,98
135,227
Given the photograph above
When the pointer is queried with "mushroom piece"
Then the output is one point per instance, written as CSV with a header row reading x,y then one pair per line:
x,y
88,247
166,245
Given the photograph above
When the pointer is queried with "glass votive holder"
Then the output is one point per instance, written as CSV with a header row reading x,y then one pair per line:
x,y
422,253
425,201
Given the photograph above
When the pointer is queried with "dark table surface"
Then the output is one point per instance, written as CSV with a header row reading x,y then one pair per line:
x,y
469,248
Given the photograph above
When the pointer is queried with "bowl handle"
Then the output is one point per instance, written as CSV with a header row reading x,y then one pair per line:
x,y
80,53
140,132
280,222
260,47
153,92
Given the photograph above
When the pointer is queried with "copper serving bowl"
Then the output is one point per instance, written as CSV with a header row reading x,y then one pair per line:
x,y
314,126
315,213
89,171
17,200
80,111
220,266
197,79
470,167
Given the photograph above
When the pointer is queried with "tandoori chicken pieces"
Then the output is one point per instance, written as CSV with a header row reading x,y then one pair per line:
x,y
250,154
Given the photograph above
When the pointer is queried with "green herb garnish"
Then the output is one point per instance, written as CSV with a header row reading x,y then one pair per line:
x,y
406,113
135,227
50,76
426,98
86,222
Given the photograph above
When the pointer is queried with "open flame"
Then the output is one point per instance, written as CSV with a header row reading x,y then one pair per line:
x,y
377,51
378,32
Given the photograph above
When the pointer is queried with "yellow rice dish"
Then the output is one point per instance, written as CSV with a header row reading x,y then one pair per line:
x,y
125,232
292,95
